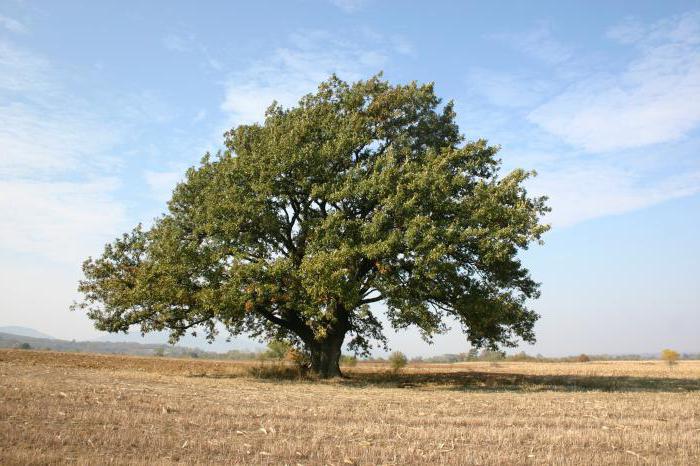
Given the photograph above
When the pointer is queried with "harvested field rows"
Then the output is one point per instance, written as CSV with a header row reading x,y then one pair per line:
x,y
88,409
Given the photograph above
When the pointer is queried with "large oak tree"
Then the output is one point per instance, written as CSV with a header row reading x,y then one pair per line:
x,y
363,193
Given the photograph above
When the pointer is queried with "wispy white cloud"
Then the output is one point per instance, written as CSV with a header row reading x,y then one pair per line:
x,y
57,188
201,115
22,71
587,123
145,106
59,220
588,190
538,43
291,72
628,31
402,45
162,183
187,42
349,6
212,62
12,25
652,101
48,140
179,42
517,90
680,28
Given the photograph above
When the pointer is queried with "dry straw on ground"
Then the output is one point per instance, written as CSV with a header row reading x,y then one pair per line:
x,y
89,409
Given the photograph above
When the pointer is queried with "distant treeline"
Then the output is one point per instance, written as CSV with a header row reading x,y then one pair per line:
x,y
488,355
8,340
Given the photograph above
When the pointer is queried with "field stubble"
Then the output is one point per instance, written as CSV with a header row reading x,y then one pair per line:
x,y
94,409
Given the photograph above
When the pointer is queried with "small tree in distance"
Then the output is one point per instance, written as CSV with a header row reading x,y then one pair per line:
x,y
473,354
397,361
670,356
491,355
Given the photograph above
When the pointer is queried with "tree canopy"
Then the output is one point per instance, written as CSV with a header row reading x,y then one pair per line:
x,y
363,193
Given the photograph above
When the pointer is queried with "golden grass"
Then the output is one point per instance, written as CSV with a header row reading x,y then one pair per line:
x,y
93,409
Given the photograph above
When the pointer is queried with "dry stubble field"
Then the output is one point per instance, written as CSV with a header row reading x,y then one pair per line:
x,y
95,409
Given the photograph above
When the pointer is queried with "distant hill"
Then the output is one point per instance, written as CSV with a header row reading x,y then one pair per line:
x,y
12,336
9,340
23,331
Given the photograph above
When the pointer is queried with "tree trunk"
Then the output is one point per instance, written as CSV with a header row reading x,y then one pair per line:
x,y
325,357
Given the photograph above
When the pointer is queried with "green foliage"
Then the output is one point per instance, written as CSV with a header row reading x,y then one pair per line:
x,y
159,352
670,356
277,349
24,346
397,361
364,192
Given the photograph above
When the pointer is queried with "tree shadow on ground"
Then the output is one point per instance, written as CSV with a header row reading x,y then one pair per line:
x,y
512,382
473,381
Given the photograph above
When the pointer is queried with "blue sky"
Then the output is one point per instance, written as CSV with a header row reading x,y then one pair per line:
x,y
103,105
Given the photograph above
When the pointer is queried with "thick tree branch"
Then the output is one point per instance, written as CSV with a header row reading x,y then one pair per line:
x,y
372,300
272,318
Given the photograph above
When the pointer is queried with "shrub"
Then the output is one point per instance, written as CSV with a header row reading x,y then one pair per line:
x,y
670,356
159,352
347,360
397,361
24,346
300,360
273,370
277,349
582,358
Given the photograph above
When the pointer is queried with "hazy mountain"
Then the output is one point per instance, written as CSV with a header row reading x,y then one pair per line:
x,y
220,345
8,340
23,331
